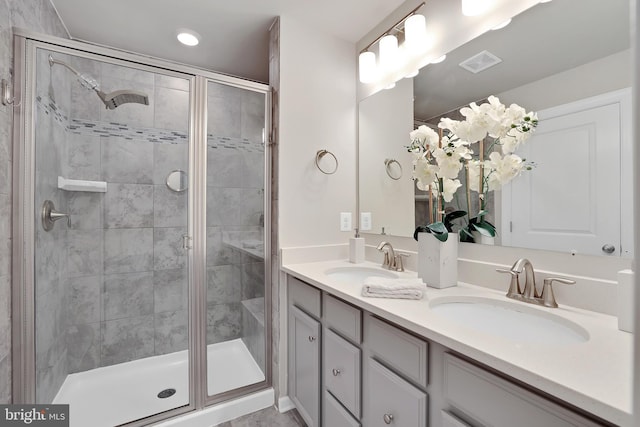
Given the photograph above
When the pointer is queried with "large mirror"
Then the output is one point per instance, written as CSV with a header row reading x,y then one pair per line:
x,y
567,60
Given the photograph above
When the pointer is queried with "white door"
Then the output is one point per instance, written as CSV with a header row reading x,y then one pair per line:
x,y
570,201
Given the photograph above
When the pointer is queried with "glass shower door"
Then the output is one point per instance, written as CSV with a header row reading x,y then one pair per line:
x,y
235,217
111,275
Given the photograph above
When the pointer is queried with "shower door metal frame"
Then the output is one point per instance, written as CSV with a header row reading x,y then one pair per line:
x,y
26,44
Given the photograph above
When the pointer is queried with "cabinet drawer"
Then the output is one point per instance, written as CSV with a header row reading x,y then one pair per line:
x,y
391,400
304,296
342,370
343,318
492,400
403,352
335,415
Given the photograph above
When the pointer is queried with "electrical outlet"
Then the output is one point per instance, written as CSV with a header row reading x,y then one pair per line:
x,y
345,221
365,221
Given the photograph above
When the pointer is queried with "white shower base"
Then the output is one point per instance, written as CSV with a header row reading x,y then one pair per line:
x,y
113,395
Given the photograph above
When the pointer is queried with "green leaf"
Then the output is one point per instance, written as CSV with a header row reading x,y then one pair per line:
x,y
438,230
420,229
484,228
466,236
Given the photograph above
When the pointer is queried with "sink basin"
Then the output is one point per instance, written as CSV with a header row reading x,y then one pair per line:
x,y
514,321
358,274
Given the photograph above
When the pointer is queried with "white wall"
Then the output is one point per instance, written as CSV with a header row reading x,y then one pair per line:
x,y
317,111
383,134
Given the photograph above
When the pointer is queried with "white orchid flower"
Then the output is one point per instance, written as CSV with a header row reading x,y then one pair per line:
x,y
449,187
424,173
424,135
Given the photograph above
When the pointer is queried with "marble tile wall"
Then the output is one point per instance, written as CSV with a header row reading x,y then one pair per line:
x,y
137,305
235,204
129,285
51,273
36,15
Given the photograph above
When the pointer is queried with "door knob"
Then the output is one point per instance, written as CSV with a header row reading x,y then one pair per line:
x,y
608,249
336,372
312,338
388,418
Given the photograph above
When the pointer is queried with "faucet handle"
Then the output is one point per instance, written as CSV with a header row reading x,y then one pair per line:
x,y
548,298
514,285
399,262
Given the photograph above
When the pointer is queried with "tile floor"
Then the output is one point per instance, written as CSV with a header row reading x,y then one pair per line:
x,y
269,417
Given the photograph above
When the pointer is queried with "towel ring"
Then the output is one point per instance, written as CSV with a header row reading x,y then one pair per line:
x,y
319,155
387,166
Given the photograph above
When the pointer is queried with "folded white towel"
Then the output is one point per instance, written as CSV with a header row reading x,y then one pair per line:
x,y
382,287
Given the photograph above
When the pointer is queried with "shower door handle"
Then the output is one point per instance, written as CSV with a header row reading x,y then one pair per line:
x,y
186,242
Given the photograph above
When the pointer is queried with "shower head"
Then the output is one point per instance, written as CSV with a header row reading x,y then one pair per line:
x,y
119,97
111,100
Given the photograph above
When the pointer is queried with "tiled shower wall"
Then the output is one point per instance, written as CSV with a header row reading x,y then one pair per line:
x,y
126,269
35,15
50,257
235,208
126,266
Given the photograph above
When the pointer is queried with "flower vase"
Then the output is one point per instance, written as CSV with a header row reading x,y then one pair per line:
x,y
482,239
438,261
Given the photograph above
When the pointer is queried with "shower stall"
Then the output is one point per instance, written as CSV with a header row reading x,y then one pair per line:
x,y
141,234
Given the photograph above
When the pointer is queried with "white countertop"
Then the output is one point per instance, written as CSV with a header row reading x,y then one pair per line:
x,y
595,375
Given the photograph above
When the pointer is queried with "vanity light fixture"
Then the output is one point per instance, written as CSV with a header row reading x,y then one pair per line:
x,y
475,7
395,61
188,37
367,67
439,59
389,53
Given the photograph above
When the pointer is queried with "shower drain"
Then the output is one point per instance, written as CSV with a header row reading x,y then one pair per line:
x,y
166,393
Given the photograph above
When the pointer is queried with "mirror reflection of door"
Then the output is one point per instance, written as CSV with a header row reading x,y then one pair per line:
x,y
571,201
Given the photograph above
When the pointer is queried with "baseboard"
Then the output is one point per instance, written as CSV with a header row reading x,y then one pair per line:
x,y
285,404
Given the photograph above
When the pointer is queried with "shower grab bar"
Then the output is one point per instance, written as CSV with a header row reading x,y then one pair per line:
x,y
50,216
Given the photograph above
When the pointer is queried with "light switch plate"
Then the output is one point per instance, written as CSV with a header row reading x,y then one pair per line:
x,y
365,221
345,221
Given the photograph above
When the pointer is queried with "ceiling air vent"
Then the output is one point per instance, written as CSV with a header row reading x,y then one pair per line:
x,y
480,62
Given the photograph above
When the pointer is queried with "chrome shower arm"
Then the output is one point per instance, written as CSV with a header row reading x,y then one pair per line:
x,y
52,61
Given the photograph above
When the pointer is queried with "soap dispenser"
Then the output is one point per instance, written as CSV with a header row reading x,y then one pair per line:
x,y
356,248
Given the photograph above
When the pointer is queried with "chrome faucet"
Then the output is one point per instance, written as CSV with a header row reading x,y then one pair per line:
x,y
391,260
530,292
389,254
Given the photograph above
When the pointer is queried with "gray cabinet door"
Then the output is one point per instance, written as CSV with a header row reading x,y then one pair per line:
x,y
342,370
390,400
304,351
334,415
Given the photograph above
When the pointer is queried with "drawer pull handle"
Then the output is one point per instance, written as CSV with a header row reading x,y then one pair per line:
x,y
336,372
388,418
312,338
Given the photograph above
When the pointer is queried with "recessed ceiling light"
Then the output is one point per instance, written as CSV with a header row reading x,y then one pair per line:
x,y
188,37
439,59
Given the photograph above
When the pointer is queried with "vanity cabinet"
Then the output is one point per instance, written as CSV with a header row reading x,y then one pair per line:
x,y
350,368
391,400
305,365
486,399
305,344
